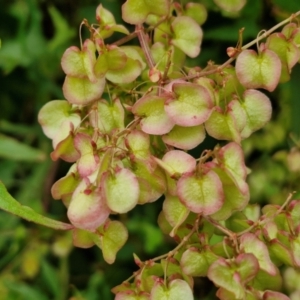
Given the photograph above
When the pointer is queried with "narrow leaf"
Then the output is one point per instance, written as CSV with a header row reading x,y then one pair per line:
x,y
9,204
13,149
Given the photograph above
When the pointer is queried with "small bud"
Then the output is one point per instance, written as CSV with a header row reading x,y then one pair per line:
x,y
231,51
154,75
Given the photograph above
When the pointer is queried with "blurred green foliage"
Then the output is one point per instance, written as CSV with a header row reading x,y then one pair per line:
x,y
39,263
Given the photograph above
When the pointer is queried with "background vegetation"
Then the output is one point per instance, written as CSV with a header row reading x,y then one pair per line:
x,y
39,263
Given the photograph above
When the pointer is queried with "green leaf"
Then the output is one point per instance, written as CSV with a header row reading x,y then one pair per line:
x,y
258,111
159,52
53,115
9,204
127,74
238,222
294,210
12,55
106,117
223,275
51,279
196,263
292,32
177,162
63,31
175,212
150,276
295,247
65,185
131,295
120,190
87,209
201,194
258,71
65,149
139,144
136,11
113,59
231,159
154,119
231,5
232,275
227,125
116,59
235,200
247,265
163,224
264,281
112,239
104,16
271,295
135,53
82,238
185,138
191,105
151,182
281,253
11,148
88,161
20,290
108,30
287,52
177,290
77,63
251,244
196,11
187,35
82,91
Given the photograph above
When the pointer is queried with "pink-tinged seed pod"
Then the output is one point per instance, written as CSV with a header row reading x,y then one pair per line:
x,y
87,209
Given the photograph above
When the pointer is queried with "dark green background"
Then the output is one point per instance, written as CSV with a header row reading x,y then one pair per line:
x,y
34,35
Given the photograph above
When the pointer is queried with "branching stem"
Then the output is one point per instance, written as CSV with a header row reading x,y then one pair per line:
x,y
258,39
262,222
170,253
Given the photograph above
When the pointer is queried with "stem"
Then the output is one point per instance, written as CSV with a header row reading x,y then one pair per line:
x,y
132,35
132,276
79,33
268,32
286,202
262,222
248,229
263,36
228,232
168,65
145,46
170,253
